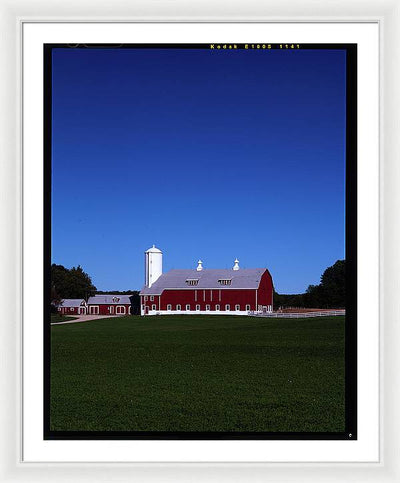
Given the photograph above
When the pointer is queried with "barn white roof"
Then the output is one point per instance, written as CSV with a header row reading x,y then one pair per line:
x,y
110,299
244,278
72,302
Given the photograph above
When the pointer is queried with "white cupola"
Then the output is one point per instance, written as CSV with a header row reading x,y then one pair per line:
x,y
153,265
199,266
236,266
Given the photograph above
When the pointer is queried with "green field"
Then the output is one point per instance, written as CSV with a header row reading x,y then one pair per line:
x,y
56,318
198,373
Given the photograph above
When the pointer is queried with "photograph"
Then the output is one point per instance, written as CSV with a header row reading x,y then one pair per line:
x,y
200,241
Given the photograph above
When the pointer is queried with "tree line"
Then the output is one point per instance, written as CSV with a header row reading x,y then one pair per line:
x,y
329,293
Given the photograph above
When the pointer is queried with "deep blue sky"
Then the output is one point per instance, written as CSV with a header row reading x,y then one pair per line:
x,y
206,154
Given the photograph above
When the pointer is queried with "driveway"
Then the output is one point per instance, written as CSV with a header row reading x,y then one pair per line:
x,y
85,318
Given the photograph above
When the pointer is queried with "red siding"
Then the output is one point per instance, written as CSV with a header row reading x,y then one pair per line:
x,y
265,289
104,309
209,297
69,310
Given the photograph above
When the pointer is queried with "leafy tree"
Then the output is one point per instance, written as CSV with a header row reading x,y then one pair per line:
x,y
314,297
135,301
55,299
333,283
71,283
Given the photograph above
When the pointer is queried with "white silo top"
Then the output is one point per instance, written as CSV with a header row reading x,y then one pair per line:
x,y
153,249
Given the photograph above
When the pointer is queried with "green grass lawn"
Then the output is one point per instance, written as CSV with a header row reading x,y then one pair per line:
x,y
56,318
198,373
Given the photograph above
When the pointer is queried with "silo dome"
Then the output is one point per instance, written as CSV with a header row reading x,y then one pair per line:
x,y
153,249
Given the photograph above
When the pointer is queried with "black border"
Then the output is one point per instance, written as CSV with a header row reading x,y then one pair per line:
x,y
350,432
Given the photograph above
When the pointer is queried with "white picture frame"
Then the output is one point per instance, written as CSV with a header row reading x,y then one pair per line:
x,y
14,16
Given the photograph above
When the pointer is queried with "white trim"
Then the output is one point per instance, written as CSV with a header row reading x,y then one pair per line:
x,y
198,312
119,312
94,307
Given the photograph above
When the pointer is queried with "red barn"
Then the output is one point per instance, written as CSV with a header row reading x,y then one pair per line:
x,y
204,291
72,307
109,304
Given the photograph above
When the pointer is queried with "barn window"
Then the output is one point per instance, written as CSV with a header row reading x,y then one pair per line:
x,y
178,307
217,307
207,307
153,307
72,309
197,307
247,307
188,307
224,281
145,298
227,307
192,281
237,307
169,307
151,298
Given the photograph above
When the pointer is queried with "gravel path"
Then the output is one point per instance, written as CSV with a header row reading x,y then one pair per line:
x,y
85,318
